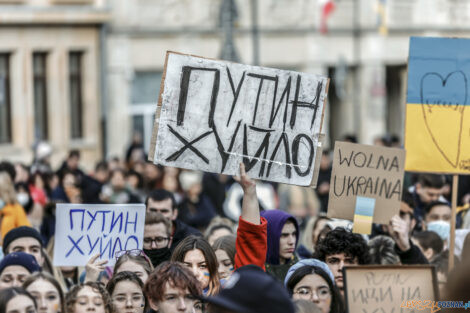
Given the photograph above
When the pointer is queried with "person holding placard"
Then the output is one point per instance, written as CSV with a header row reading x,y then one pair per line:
x,y
400,229
251,241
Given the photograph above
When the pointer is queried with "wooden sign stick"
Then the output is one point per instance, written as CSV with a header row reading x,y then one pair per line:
x,y
455,183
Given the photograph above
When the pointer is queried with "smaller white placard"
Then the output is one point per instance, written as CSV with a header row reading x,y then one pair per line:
x,y
84,230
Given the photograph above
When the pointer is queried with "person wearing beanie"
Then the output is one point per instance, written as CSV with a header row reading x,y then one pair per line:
x,y
24,239
15,268
250,290
312,280
283,235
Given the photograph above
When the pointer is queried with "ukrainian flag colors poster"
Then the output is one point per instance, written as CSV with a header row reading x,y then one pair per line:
x,y
437,127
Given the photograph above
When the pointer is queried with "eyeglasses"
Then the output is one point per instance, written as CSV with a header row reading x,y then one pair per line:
x,y
160,242
306,293
133,252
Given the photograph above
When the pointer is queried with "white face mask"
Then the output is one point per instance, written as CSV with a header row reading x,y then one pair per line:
x,y
442,228
22,198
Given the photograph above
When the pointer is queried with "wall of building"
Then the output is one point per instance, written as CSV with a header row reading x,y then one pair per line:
x,y
41,26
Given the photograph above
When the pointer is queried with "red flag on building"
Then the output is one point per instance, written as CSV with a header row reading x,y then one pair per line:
x,y
327,7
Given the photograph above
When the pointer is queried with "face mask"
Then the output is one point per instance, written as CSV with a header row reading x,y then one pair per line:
x,y
2,204
158,256
442,228
22,198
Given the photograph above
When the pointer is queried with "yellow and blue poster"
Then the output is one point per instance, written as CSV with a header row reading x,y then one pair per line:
x,y
437,128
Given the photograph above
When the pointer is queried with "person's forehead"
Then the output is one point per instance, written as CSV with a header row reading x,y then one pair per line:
x,y
164,204
432,190
288,227
312,280
221,232
41,285
221,254
194,256
131,266
25,242
170,288
88,291
19,301
441,208
15,270
341,255
126,286
158,229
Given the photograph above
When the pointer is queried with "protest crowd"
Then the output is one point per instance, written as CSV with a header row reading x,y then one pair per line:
x,y
213,243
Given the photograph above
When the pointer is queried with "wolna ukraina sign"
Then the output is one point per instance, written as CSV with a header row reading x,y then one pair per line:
x,y
216,114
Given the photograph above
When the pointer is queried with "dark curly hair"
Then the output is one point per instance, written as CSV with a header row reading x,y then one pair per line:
x,y
340,240
71,297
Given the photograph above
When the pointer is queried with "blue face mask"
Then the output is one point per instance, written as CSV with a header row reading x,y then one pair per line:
x,y
442,228
2,204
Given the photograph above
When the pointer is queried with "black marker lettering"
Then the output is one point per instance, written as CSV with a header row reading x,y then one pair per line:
x,y
184,88
187,145
262,78
295,154
235,93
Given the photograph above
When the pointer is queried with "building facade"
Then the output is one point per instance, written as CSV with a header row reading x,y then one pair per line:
x,y
86,74
367,67
50,82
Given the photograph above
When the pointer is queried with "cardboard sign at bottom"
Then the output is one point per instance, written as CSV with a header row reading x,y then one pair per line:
x,y
378,288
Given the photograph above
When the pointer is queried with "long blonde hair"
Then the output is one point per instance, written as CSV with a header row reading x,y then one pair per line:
x,y
7,190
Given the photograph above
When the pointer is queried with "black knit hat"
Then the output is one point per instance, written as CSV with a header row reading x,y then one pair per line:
x,y
22,259
250,290
20,232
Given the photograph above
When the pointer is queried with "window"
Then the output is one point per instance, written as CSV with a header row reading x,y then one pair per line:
x,y
144,97
40,96
5,107
75,84
146,87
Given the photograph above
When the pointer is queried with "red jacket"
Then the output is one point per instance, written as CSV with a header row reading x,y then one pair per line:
x,y
251,243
